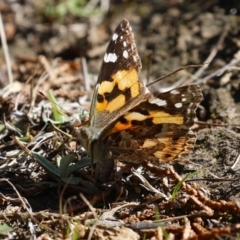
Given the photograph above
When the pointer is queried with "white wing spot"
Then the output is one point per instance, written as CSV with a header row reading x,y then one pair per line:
x,y
115,36
135,116
121,37
149,143
110,57
125,54
178,105
189,110
184,99
158,102
174,91
124,44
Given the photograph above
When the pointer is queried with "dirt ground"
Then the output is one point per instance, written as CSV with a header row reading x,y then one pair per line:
x,y
61,51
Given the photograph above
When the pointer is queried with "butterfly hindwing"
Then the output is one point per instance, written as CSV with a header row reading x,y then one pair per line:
x,y
157,129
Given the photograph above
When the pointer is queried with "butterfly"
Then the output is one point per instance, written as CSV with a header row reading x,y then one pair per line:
x,y
127,122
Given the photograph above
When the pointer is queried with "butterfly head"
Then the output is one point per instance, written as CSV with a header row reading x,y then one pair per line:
x,y
87,136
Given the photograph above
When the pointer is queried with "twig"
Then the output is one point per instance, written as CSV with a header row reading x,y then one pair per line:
x,y
216,124
219,71
94,214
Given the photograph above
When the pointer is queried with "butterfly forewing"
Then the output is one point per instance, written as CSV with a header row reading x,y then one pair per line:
x,y
118,88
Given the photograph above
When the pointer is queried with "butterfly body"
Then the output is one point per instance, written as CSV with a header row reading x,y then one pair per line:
x,y
126,121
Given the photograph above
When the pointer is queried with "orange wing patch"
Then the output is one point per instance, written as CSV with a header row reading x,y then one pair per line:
x,y
136,119
164,117
112,95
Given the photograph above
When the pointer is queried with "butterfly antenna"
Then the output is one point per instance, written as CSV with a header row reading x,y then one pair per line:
x,y
175,71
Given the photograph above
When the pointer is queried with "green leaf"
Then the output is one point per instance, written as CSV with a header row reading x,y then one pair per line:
x,y
71,180
64,165
64,170
2,127
58,115
4,228
179,185
46,164
84,162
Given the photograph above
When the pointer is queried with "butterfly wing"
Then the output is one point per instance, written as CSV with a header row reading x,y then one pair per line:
x,y
158,129
118,88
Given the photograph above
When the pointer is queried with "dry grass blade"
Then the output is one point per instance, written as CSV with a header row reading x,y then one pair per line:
x,y
147,185
5,50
